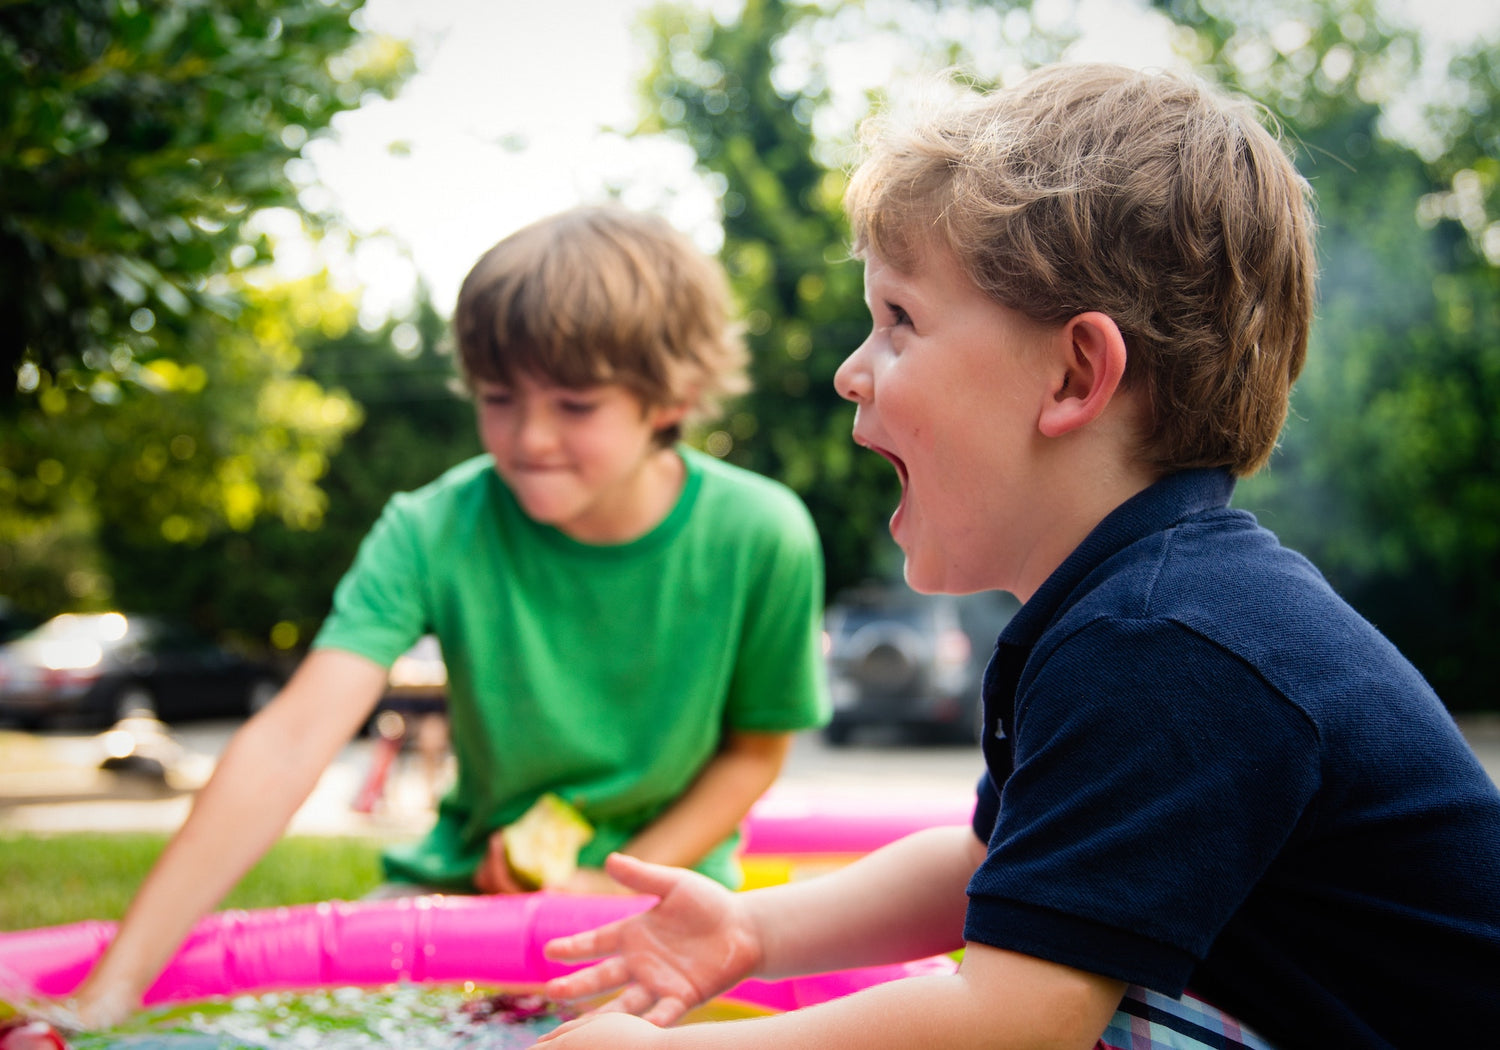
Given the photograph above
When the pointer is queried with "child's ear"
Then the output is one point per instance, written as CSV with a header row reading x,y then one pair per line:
x,y
1092,364
663,416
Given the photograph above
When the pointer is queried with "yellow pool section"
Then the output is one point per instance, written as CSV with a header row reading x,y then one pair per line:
x,y
773,869
796,831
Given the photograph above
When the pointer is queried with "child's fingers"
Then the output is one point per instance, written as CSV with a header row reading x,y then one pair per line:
x,y
667,1011
604,977
564,1029
590,944
642,876
644,1003
633,1000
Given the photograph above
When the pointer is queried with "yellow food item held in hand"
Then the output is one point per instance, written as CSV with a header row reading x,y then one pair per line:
x,y
542,847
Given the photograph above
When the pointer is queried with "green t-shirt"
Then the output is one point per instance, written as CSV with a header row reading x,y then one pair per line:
x,y
606,674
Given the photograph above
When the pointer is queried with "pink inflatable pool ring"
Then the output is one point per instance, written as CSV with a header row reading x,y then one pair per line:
x,y
439,939
802,820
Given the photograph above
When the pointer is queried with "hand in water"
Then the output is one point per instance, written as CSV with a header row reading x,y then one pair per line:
x,y
696,942
612,1031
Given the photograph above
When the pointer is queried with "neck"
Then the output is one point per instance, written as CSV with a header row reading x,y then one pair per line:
x,y
641,505
1093,491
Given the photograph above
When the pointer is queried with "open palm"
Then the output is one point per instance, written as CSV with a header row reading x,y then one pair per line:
x,y
694,944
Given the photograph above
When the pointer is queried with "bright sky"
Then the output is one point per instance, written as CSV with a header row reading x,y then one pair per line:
x,y
501,124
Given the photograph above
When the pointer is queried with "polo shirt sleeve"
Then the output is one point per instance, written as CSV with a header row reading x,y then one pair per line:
x,y
379,607
1156,778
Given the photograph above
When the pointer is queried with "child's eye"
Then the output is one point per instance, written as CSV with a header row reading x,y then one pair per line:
x,y
578,408
899,316
498,398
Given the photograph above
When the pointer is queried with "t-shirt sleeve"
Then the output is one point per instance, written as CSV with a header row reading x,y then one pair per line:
x,y
1156,778
379,606
779,684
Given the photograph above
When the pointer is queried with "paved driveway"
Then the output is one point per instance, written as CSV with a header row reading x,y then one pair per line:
x,y
51,782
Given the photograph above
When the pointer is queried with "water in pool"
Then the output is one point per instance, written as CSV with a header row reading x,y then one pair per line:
x,y
414,1017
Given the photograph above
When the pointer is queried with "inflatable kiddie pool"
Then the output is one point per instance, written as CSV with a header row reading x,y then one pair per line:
x,y
437,939
794,832
480,940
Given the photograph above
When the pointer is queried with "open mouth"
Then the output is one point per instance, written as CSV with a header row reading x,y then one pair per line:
x,y
894,461
890,457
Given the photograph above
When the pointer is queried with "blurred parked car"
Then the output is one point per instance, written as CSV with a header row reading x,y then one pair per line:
x,y
13,622
98,668
909,660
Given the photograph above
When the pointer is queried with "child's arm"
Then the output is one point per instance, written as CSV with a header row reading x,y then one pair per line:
x,y
905,901
998,1000
264,775
901,902
714,804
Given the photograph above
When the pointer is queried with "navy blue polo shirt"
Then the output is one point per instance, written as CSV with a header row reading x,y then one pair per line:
x,y
1206,771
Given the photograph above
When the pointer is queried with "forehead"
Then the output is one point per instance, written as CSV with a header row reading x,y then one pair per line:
x,y
529,383
932,268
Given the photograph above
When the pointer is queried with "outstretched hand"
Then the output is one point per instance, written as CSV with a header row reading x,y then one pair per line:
x,y
697,941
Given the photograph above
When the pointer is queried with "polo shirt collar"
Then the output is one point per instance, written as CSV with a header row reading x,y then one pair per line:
x,y
1155,509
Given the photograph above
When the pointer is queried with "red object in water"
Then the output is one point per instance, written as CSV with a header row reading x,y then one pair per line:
x,y
513,1008
21,1034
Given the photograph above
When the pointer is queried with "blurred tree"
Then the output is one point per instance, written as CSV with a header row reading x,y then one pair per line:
x,y
784,247
1389,474
151,384
275,580
751,96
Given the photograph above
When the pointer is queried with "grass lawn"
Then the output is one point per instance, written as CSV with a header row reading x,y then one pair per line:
x,y
47,880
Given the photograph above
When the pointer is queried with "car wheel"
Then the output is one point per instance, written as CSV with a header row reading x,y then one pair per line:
x,y
262,692
134,701
838,732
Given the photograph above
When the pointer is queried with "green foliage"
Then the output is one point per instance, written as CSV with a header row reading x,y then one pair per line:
x,y
752,98
55,879
800,295
153,392
276,577
138,140
1389,475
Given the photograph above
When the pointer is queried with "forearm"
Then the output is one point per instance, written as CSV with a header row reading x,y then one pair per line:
x,y
998,1000
263,776
936,1013
905,901
715,803
235,818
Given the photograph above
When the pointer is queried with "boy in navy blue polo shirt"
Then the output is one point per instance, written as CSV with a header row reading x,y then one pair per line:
x,y
1220,809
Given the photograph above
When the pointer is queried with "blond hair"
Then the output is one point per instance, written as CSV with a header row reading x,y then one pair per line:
x,y
598,295
1146,196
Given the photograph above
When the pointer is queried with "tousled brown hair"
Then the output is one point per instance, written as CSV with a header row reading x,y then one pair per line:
x,y
1147,196
601,294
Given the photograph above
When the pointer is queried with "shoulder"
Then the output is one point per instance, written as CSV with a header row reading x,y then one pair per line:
x,y
473,475
747,502
1220,586
469,488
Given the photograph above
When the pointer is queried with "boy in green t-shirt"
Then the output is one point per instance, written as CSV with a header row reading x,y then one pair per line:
x,y
628,624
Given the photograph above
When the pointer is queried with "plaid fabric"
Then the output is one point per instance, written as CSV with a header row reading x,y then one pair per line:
x,y
1147,1020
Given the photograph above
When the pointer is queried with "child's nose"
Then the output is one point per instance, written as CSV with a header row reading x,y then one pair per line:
x,y
852,380
535,431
